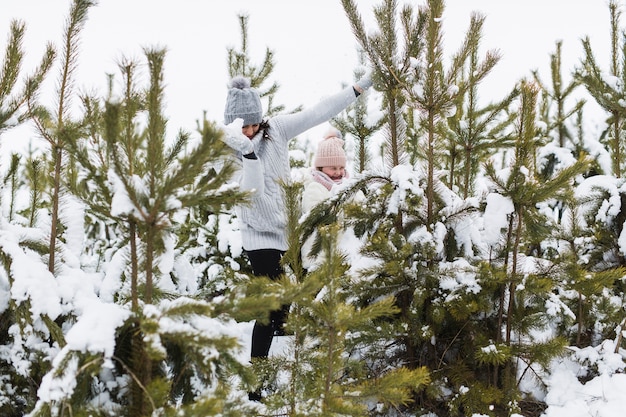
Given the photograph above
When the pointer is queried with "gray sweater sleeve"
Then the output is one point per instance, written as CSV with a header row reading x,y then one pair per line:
x,y
252,175
291,125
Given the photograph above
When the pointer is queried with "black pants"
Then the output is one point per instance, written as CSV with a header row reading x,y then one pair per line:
x,y
266,262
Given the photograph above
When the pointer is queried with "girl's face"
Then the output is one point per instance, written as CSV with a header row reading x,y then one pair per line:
x,y
335,173
250,130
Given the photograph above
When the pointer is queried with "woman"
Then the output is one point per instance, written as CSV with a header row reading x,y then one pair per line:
x,y
262,147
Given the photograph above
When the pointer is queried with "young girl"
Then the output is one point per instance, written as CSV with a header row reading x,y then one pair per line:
x,y
329,170
262,148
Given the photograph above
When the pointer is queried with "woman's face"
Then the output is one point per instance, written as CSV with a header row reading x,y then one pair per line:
x,y
250,130
335,173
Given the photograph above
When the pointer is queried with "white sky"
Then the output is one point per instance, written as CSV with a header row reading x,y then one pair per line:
x,y
315,50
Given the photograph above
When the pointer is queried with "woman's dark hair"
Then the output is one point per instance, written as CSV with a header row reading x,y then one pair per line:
x,y
264,126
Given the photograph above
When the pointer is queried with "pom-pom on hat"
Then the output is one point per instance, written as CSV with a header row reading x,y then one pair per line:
x,y
330,151
243,102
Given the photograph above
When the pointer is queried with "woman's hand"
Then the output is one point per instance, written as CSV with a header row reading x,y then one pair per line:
x,y
233,137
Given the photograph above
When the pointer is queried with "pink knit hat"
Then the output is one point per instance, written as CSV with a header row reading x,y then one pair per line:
x,y
330,151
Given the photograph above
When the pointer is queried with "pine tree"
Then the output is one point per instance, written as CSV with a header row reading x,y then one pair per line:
x,y
336,380
585,290
596,259
406,234
239,63
552,108
555,99
13,103
18,323
329,368
475,132
205,224
55,126
354,121
391,63
608,91
517,315
434,91
139,186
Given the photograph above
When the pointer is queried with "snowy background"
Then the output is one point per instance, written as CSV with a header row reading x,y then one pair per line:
x,y
315,53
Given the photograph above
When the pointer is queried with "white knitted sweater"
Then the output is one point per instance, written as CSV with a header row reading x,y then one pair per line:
x,y
263,221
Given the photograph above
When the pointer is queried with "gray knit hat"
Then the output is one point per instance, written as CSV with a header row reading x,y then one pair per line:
x,y
243,102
